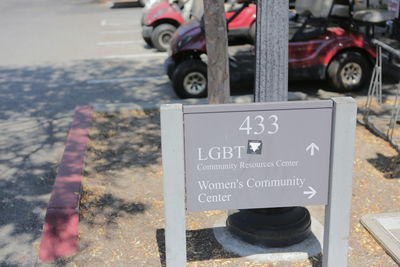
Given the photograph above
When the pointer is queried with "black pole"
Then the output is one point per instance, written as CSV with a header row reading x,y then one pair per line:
x,y
272,51
275,227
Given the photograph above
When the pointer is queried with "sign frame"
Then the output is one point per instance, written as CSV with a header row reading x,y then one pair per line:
x,y
336,229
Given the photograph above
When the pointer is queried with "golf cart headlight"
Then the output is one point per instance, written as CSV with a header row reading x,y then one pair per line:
x,y
183,42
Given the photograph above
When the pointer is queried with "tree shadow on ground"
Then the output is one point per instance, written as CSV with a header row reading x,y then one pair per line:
x,y
52,90
202,245
389,166
107,207
139,150
36,108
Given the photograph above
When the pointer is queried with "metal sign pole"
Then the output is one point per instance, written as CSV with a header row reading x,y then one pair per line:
x,y
174,184
337,212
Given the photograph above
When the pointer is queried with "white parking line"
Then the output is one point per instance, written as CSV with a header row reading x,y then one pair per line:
x,y
120,42
128,79
120,31
105,22
135,56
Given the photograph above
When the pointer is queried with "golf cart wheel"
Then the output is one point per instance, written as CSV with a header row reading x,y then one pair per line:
x,y
190,79
161,36
349,71
148,41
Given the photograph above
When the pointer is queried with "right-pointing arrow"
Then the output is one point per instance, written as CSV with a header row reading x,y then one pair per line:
x,y
311,193
312,147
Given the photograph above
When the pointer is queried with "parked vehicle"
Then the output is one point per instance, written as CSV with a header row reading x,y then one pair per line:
x,y
328,40
161,20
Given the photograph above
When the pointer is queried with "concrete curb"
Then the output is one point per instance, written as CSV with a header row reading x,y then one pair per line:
x,y
60,229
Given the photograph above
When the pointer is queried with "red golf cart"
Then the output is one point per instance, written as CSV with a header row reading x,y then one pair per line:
x,y
328,40
162,19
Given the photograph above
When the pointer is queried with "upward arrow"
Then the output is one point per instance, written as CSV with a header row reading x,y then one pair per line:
x,y
312,147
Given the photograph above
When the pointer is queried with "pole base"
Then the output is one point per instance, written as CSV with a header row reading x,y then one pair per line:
x,y
277,227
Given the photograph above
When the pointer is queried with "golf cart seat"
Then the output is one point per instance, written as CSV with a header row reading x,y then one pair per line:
x,y
341,11
373,16
312,15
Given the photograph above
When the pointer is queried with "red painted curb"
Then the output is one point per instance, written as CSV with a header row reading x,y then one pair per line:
x,y
60,229
60,234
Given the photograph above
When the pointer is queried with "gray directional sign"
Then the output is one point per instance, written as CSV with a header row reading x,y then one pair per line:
x,y
257,156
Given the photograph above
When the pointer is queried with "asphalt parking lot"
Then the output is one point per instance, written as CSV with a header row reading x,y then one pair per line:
x,y
57,55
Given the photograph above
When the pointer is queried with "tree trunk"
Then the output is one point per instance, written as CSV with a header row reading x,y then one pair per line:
x,y
217,51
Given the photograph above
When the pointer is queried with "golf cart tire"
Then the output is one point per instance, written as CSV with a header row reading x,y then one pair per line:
x,y
148,41
339,62
182,71
159,31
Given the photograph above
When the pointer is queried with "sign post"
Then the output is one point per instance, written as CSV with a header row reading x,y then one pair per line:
x,y
215,157
174,184
337,212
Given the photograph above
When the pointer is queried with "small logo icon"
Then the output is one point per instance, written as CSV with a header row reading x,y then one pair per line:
x,y
254,147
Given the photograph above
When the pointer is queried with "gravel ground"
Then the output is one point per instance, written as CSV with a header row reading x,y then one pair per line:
x,y
121,212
